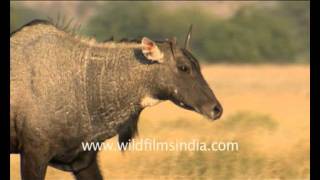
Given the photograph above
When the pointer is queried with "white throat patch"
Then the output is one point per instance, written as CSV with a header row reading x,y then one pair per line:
x,y
148,101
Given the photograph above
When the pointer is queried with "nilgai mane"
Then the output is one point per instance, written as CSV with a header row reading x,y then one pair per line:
x,y
66,89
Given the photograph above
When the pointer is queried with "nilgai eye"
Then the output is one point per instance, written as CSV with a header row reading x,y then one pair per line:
x,y
183,68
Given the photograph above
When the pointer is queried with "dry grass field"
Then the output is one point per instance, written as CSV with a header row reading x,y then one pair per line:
x,y
266,109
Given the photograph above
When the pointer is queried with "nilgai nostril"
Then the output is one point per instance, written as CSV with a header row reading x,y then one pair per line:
x,y
217,110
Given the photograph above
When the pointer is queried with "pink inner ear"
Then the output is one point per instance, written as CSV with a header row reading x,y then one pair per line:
x,y
149,44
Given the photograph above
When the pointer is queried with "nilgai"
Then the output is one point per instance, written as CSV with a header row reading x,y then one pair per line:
x,y
66,89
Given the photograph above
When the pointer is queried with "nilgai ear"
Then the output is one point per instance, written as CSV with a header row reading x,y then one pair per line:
x,y
150,50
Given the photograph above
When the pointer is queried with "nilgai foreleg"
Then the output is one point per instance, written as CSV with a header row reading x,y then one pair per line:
x,y
91,172
33,167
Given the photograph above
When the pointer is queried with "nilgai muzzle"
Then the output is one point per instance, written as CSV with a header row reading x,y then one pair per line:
x,y
65,90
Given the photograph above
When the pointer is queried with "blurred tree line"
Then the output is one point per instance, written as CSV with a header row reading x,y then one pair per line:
x,y
20,16
254,34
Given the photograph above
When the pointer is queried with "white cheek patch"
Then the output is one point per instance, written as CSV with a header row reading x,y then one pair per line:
x,y
148,101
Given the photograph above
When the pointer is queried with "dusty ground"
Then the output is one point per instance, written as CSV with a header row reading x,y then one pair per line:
x,y
279,94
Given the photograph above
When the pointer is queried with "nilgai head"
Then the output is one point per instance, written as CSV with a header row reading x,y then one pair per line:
x,y
179,77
